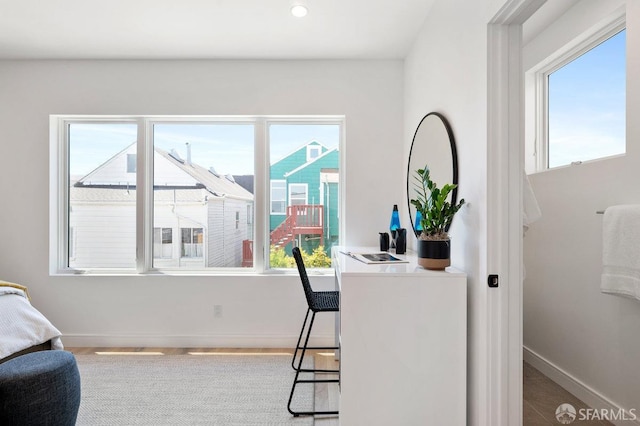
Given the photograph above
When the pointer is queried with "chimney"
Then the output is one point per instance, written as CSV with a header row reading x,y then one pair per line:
x,y
189,153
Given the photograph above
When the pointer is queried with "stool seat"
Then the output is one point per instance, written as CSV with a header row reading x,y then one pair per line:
x,y
40,388
325,301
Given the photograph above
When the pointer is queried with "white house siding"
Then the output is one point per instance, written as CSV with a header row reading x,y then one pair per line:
x,y
103,227
215,234
224,243
113,171
103,238
234,234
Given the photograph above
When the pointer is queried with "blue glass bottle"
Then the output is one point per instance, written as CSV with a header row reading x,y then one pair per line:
x,y
395,219
394,225
418,222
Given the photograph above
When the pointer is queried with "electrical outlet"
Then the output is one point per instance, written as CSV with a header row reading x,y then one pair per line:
x,y
217,311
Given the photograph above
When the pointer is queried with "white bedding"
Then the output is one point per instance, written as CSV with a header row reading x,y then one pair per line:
x,y
22,325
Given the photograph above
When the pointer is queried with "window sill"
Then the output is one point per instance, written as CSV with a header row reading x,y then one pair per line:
x,y
176,273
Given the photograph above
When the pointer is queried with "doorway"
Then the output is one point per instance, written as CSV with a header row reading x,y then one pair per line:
x,y
506,165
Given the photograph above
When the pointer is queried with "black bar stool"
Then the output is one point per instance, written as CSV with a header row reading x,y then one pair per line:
x,y
317,301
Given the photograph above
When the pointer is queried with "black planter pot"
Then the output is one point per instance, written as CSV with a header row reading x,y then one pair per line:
x,y
434,254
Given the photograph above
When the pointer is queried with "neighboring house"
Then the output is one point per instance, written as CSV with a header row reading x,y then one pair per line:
x,y
201,218
304,198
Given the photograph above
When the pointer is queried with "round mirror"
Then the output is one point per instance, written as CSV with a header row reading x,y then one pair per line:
x,y
434,146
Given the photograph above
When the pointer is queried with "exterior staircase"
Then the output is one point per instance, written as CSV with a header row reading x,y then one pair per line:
x,y
301,219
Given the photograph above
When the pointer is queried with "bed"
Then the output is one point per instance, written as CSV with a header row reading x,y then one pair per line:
x,y
23,328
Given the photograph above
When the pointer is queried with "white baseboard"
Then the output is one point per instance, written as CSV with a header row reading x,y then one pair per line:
x,y
573,385
194,341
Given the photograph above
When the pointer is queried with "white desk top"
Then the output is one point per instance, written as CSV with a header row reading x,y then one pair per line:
x,y
350,266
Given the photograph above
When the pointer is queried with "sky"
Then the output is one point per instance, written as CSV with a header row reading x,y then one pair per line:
x,y
587,105
228,148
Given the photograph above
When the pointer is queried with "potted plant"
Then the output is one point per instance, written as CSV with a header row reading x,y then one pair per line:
x,y
434,245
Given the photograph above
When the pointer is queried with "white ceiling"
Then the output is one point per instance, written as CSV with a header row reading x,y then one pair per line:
x,y
198,29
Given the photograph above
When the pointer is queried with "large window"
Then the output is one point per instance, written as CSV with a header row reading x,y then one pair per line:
x,y
305,192
180,193
203,175
581,106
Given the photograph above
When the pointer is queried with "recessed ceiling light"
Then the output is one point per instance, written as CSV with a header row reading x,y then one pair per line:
x,y
299,10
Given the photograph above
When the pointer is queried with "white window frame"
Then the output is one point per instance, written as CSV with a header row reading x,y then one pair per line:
x,y
290,193
311,149
159,230
539,77
59,189
284,200
193,245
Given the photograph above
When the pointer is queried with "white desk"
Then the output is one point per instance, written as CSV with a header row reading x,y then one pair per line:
x,y
403,341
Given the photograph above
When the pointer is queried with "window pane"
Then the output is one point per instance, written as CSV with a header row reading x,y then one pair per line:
x,y
297,194
162,243
587,105
203,184
278,197
192,240
102,195
131,163
305,158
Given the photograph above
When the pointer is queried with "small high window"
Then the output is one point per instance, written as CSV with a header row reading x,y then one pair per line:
x,y
313,152
581,104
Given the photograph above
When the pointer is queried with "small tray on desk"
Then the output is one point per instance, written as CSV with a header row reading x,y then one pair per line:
x,y
376,258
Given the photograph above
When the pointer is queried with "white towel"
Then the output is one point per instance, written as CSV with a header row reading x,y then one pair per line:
x,y
621,251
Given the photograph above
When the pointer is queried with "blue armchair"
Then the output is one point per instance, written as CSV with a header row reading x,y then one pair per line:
x,y
40,388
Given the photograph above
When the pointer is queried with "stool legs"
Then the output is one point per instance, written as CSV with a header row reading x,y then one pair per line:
x,y
299,369
295,354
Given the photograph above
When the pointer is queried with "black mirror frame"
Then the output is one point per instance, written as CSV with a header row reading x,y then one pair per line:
x,y
454,160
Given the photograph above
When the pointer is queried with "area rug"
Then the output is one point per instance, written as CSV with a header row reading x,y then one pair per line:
x,y
190,390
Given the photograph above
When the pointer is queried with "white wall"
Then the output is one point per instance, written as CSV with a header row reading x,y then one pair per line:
x,y
170,310
568,322
446,71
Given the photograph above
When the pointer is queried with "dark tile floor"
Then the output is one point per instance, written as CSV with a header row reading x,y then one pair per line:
x,y
541,398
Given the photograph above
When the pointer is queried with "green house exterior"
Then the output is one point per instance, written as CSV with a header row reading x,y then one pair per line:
x,y
315,168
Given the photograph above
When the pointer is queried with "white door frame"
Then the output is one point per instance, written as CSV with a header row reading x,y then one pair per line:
x,y
505,166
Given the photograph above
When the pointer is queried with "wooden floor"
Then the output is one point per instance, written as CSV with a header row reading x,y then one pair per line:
x,y
541,398
326,395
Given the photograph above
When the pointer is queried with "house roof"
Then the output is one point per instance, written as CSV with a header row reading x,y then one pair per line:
x,y
124,195
303,146
310,162
218,185
190,176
